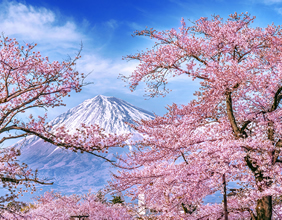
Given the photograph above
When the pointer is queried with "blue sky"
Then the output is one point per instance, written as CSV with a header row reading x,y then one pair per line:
x,y
105,28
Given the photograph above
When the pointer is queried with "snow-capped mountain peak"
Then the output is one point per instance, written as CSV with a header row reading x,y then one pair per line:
x,y
109,113
76,172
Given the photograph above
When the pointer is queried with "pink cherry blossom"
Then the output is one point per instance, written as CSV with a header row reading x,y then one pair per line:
x,y
56,206
232,127
27,81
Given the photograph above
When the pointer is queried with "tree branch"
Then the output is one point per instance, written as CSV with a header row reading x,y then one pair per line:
x,y
15,127
277,99
184,158
244,126
231,116
14,180
12,137
250,164
276,152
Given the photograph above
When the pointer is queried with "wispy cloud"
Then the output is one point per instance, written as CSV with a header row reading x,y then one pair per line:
x,y
279,10
41,25
104,73
271,2
135,26
113,24
58,39
180,3
38,25
267,2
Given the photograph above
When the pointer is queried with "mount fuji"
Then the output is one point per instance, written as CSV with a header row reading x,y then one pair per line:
x,y
76,172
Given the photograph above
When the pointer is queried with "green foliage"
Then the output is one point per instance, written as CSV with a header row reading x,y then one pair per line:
x,y
27,208
101,197
117,200
16,206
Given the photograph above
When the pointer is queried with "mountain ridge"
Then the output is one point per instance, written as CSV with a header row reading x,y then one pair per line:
x,y
76,172
75,116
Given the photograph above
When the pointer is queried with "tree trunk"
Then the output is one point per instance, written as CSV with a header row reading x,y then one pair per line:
x,y
264,208
224,197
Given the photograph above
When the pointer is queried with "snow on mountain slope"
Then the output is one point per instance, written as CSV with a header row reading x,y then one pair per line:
x,y
109,113
76,172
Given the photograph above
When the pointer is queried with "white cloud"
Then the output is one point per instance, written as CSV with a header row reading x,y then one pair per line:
x,y
104,73
101,67
38,25
58,39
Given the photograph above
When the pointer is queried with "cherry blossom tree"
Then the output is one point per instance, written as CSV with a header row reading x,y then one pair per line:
x,y
29,81
232,129
16,179
56,206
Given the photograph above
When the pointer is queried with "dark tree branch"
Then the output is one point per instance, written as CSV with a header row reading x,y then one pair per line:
x,y
12,137
231,116
250,164
244,126
65,145
224,197
183,156
14,180
277,99
276,152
